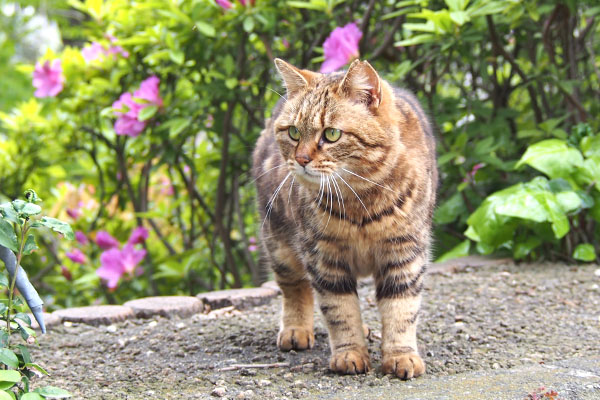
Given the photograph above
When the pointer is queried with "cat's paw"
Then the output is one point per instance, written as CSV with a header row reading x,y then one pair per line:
x,y
350,362
295,338
404,366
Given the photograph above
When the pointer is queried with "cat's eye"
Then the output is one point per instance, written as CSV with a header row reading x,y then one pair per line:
x,y
294,133
332,134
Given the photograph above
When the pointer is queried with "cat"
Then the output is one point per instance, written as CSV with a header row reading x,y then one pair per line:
x,y
346,180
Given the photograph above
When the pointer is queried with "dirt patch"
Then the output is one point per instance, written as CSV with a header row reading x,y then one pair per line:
x,y
483,319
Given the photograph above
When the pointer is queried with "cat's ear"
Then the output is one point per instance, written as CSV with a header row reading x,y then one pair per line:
x,y
362,84
294,78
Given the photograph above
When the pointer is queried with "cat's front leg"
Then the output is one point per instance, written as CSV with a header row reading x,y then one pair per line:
x,y
338,300
398,287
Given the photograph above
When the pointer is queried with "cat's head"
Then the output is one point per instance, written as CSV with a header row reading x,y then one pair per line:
x,y
334,123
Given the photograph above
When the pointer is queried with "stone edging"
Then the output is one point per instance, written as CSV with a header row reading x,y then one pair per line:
x,y
186,306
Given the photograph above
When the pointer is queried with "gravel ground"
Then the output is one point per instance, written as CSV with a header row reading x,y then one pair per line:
x,y
484,319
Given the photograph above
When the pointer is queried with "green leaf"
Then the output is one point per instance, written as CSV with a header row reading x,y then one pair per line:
x,y
459,17
31,396
417,39
58,226
30,245
30,209
37,367
177,125
25,354
590,146
553,157
523,247
248,24
31,196
9,213
8,238
23,317
177,56
448,211
584,252
147,112
206,29
4,395
3,281
231,83
9,358
10,376
460,250
312,5
51,392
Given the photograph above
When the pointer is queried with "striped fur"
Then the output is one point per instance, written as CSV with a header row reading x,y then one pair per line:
x,y
361,206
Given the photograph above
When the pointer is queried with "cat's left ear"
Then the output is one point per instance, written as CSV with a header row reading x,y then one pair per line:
x,y
295,79
362,84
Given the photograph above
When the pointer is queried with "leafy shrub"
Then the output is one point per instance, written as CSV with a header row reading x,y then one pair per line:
x,y
496,76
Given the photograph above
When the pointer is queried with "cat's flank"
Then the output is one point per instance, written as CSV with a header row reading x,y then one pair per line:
x,y
346,176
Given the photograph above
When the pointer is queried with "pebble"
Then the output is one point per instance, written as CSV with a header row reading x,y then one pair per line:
x,y
111,328
219,391
264,382
597,272
247,394
299,384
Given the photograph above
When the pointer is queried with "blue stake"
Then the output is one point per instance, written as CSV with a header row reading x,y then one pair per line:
x,y
25,287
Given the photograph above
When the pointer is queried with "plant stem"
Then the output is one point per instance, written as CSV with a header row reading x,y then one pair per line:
x,y
11,290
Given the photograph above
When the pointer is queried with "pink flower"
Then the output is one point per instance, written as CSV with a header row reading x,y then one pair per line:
x,y
285,43
93,52
115,263
81,238
74,212
127,108
77,256
244,2
224,3
127,111
48,80
105,241
252,239
139,235
341,47
252,248
149,91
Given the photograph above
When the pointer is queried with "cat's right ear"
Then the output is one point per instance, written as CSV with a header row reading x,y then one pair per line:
x,y
294,79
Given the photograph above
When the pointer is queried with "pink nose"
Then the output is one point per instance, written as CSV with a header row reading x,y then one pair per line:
x,y
303,160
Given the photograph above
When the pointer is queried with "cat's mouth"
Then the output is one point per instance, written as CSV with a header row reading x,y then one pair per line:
x,y
311,176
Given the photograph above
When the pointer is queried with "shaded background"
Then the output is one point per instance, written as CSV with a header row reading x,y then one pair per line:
x,y
497,78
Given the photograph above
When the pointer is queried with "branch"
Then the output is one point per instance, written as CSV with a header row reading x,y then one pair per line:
x,y
502,51
389,37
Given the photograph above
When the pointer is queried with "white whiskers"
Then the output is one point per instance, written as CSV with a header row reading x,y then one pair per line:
x,y
272,199
368,180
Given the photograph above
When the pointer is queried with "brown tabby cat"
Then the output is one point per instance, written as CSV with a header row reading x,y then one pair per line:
x,y
346,177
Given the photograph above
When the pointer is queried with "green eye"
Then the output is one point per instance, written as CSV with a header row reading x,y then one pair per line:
x,y
332,134
293,132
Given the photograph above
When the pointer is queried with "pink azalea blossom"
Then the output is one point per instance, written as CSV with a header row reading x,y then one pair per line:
x,y
105,241
252,239
244,2
149,91
77,256
139,235
341,47
81,238
225,4
93,52
252,248
127,110
115,263
74,213
48,80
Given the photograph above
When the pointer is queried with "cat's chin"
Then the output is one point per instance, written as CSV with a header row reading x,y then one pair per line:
x,y
308,179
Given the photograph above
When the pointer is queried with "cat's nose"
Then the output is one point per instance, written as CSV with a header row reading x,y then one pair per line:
x,y
303,159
